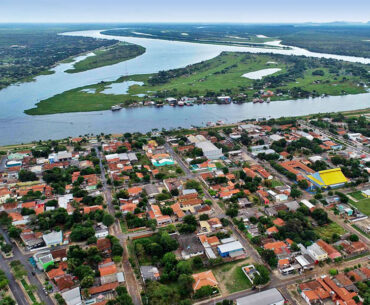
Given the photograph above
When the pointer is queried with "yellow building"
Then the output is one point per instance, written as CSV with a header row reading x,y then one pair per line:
x,y
328,178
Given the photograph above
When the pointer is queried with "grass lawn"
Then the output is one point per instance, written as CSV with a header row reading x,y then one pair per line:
x,y
357,195
275,183
363,205
231,277
170,171
219,75
326,232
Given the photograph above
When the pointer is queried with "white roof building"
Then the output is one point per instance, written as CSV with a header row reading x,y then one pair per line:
x,y
53,239
64,200
210,151
316,252
72,296
276,137
307,204
313,159
267,297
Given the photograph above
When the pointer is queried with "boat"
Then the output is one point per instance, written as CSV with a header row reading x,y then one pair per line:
x,y
180,103
116,108
268,100
220,122
255,100
159,105
261,101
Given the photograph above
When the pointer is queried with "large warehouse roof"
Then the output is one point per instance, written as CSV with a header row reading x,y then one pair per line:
x,y
328,177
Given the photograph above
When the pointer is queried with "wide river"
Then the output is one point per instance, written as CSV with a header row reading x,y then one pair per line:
x,y
17,127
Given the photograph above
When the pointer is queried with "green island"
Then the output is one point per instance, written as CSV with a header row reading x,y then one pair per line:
x,y
336,38
108,56
298,77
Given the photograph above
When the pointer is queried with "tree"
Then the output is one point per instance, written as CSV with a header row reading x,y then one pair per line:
x,y
184,267
87,281
270,257
159,294
8,301
353,237
303,184
263,277
203,217
295,193
6,248
232,212
333,272
168,259
117,249
190,220
14,232
25,175
5,219
197,262
320,216
186,283
83,271
203,292
108,220
3,280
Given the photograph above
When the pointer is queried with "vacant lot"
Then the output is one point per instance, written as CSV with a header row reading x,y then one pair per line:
x,y
231,277
326,232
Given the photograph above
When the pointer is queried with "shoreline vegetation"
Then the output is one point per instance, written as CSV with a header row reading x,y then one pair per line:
x,y
107,56
298,77
350,113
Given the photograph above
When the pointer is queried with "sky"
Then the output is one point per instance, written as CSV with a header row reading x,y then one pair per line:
x,y
238,11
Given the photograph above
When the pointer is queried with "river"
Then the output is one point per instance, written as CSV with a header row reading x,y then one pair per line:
x,y
17,127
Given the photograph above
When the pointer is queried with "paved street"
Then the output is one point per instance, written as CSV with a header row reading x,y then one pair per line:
x,y
131,283
13,285
18,255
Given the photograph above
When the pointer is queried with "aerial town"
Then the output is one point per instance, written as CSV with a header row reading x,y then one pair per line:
x,y
260,212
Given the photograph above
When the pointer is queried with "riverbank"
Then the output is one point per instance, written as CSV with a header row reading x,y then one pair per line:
x,y
297,77
108,56
31,143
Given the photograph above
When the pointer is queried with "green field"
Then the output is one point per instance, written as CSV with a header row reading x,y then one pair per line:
x,y
108,56
326,232
357,195
218,76
363,205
